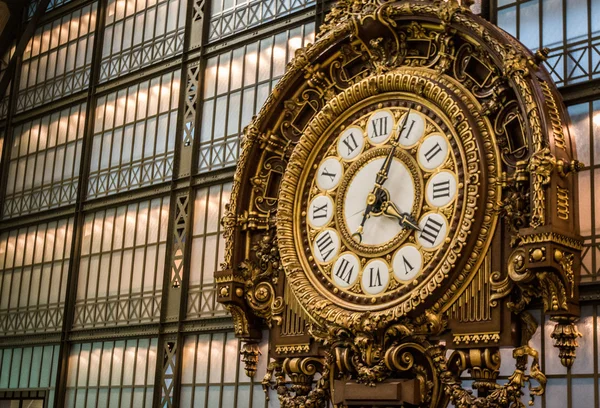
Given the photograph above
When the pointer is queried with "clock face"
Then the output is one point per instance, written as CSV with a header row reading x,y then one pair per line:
x,y
380,203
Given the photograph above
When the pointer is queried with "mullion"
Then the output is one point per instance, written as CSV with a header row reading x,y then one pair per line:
x,y
88,372
45,159
593,189
34,154
10,161
214,115
143,269
135,358
155,279
112,359
3,245
564,50
67,52
76,380
112,41
121,385
589,39
237,373
111,251
114,131
122,251
135,247
78,147
58,49
86,294
156,127
143,135
64,260
102,135
31,272
21,268
96,319
205,232
99,380
25,162
195,368
64,161
170,109
123,20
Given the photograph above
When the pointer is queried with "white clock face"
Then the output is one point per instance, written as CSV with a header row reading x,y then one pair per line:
x,y
380,203
401,189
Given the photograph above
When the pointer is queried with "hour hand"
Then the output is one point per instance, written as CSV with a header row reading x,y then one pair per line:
x,y
406,220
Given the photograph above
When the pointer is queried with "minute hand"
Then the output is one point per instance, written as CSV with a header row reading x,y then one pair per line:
x,y
383,173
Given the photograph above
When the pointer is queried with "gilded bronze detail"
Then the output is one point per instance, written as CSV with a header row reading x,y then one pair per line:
x,y
250,353
292,348
565,336
476,338
562,203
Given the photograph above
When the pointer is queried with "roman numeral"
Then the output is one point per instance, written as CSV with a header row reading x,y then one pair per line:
x,y
407,266
431,230
320,212
330,175
380,126
441,189
409,129
374,278
350,145
343,272
433,152
323,243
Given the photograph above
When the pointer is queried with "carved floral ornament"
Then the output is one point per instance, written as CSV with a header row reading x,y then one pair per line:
x,y
507,157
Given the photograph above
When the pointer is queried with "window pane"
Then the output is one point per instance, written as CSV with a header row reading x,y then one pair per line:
x,y
47,150
570,32
228,105
139,34
134,144
120,277
33,263
207,249
45,74
114,363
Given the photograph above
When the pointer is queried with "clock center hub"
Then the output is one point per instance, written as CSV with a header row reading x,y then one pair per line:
x,y
400,195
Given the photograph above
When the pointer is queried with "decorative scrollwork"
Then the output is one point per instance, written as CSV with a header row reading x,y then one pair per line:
x,y
299,392
507,395
261,274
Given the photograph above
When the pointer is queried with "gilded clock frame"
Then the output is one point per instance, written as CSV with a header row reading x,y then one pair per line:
x,y
404,82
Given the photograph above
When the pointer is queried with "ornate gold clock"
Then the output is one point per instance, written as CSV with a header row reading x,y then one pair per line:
x,y
380,208
377,213
407,188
